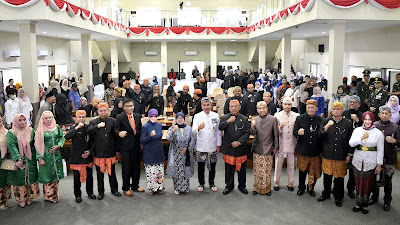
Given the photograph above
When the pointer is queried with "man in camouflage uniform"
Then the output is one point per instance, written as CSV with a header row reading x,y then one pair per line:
x,y
378,97
396,87
364,90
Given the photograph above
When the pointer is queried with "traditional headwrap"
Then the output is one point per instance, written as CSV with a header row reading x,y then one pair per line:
x,y
234,102
102,105
39,134
18,85
23,101
205,99
153,112
83,98
202,80
95,100
80,113
136,86
370,114
118,89
197,91
312,102
394,109
337,105
183,116
186,87
3,141
146,80
287,100
237,88
23,135
355,97
385,108
261,103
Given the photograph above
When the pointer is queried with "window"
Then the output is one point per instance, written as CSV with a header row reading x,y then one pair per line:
x,y
229,17
148,17
148,70
14,73
189,16
43,75
188,66
314,69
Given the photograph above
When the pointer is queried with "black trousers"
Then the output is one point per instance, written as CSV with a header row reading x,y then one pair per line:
x,y
77,182
211,175
351,184
387,189
130,162
338,187
112,180
230,176
302,180
302,108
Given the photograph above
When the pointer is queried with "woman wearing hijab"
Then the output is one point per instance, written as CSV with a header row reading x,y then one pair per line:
x,y
81,161
317,96
65,88
153,153
154,81
82,87
18,85
180,157
393,104
63,111
340,96
269,88
5,189
21,149
56,85
49,139
118,108
367,159
25,106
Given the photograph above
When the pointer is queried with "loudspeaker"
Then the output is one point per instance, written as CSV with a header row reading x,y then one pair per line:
x,y
321,49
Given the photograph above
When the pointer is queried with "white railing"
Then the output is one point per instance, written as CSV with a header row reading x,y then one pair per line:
x,y
268,8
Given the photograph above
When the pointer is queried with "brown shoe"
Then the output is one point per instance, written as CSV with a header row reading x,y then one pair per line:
x,y
128,193
139,190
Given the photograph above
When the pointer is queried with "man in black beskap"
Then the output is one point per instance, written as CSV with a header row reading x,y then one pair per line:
x,y
244,103
355,116
252,98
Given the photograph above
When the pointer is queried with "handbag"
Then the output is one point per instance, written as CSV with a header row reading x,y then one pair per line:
x,y
8,164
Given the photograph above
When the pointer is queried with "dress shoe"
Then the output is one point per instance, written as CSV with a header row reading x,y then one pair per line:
x,y
78,200
268,194
226,191
355,209
323,198
351,194
387,206
116,193
290,188
364,211
312,192
255,193
100,197
139,189
338,203
372,201
92,196
276,188
243,190
300,192
128,193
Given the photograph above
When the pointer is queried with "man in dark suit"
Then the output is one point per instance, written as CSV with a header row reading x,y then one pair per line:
x,y
128,126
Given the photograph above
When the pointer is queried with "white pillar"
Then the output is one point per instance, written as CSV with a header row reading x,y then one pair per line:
x,y
164,62
261,55
29,70
168,19
336,56
114,59
213,60
287,54
87,63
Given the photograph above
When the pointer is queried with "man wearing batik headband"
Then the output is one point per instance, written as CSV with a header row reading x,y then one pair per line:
x,y
183,99
139,100
81,161
335,132
392,141
103,133
197,100
286,119
208,142
236,129
308,147
128,89
354,115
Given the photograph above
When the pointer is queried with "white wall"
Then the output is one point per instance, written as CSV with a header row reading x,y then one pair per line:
x,y
378,48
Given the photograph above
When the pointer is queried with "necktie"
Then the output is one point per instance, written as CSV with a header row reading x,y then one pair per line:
x,y
132,123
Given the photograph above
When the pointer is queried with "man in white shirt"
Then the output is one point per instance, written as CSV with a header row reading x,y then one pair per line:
x,y
208,142
11,107
293,94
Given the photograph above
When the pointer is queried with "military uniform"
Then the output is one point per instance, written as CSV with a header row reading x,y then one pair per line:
x,y
364,91
396,88
377,98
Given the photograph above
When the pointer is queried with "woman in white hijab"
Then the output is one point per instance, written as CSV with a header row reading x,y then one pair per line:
x,y
82,87
25,106
56,85
65,88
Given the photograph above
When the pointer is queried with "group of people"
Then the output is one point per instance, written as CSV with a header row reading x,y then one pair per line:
x,y
335,141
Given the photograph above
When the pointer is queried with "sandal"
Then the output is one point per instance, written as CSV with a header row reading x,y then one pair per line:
x,y
150,192
3,207
22,205
200,188
29,202
213,188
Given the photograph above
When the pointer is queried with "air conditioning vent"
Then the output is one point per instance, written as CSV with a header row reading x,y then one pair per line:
x,y
150,53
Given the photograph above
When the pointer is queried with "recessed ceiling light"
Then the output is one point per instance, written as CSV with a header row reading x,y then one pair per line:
x,y
66,35
145,40
305,35
17,28
189,40
45,32
324,32
233,40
